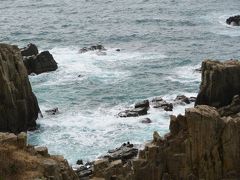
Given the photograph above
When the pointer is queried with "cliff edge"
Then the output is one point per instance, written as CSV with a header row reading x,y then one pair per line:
x,y
18,105
202,144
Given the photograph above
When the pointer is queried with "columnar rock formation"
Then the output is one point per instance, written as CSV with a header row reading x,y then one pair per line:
x,y
220,82
202,144
18,105
19,161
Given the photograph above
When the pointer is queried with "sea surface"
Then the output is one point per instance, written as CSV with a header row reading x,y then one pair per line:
x,y
161,42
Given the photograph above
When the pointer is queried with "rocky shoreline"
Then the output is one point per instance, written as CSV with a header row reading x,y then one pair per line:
x,y
202,144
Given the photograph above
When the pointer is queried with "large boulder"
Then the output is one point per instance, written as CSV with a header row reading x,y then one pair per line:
x,y
43,62
234,20
18,105
30,50
220,82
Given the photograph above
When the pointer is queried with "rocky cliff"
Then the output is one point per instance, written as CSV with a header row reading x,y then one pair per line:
x,y
202,144
18,105
19,161
220,82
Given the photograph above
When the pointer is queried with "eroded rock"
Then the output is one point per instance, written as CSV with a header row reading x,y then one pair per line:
x,y
30,50
220,82
18,105
43,62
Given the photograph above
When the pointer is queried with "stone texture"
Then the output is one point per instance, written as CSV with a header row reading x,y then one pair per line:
x,y
220,82
30,50
18,105
24,163
201,145
43,62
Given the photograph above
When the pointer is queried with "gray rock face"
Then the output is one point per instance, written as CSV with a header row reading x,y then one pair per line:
x,y
220,82
18,105
43,62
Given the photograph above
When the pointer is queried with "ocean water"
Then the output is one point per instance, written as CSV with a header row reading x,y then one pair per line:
x,y
161,43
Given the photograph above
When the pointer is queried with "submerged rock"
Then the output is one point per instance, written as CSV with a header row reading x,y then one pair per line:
x,y
234,20
43,62
92,48
52,111
30,50
146,121
19,107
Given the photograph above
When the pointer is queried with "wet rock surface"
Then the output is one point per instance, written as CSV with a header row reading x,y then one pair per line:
x,y
97,47
52,111
158,102
146,121
233,20
140,108
43,62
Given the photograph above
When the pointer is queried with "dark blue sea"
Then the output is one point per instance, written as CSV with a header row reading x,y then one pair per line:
x,y
161,42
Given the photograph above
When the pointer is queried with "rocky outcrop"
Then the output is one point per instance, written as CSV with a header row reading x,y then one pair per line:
x,y
21,161
234,20
30,50
220,82
200,145
18,105
43,62
158,102
140,108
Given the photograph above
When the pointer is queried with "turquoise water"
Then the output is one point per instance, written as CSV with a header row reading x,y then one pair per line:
x,y
161,43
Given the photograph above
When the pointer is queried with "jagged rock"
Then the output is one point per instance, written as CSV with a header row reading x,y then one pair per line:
x,y
52,111
92,48
142,104
220,82
182,99
43,62
201,145
231,109
158,102
134,112
79,162
146,121
234,20
30,50
25,163
18,105
125,152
